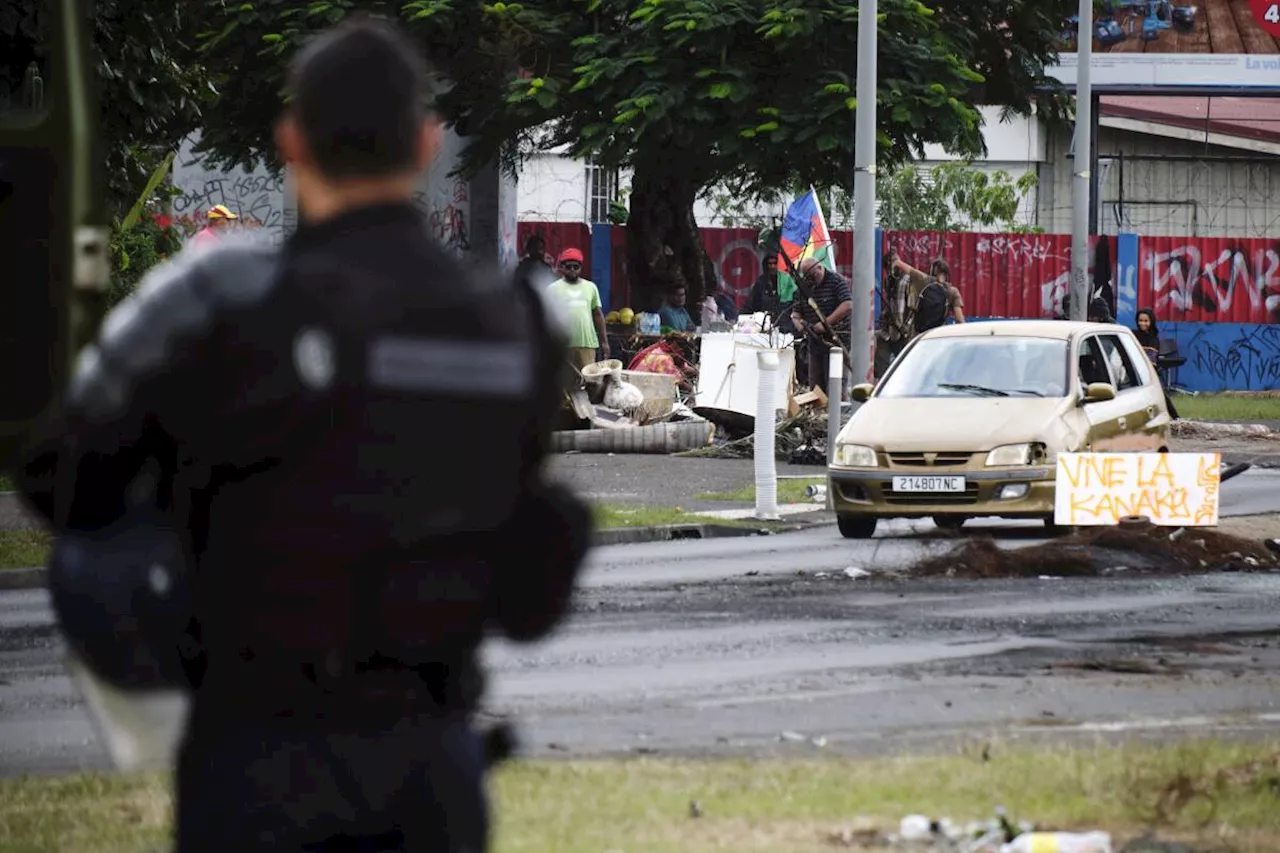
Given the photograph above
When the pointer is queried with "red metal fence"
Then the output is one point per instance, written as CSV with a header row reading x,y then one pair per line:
x,y
1208,279
1185,279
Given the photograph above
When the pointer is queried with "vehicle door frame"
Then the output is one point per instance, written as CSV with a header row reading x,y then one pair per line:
x,y
1150,413
1104,432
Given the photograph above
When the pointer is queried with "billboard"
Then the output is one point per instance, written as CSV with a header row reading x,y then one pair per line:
x,y
1139,45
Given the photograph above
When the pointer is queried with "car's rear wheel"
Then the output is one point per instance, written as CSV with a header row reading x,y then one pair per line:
x,y
949,522
856,526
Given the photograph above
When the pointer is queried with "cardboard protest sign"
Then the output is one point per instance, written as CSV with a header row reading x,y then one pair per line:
x,y
1170,489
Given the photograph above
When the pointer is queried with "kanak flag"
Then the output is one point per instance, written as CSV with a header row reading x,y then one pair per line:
x,y
804,235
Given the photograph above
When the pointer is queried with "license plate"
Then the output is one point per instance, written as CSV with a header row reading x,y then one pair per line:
x,y
928,484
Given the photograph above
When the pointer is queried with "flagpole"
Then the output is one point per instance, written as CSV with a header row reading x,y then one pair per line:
x,y
864,194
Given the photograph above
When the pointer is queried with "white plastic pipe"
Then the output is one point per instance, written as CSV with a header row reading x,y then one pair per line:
x,y
766,438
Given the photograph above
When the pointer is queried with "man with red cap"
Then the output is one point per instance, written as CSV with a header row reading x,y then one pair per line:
x,y
583,314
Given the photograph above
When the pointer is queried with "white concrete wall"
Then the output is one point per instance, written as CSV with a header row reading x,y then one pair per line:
x,y
1172,187
553,187
446,201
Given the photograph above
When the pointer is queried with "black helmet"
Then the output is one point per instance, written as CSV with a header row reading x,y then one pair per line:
x,y
123,600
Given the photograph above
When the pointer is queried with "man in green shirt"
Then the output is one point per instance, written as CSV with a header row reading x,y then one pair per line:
x,y
580,300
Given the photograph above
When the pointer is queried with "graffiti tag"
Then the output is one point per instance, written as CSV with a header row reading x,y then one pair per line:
x,y
1251,359
1186,278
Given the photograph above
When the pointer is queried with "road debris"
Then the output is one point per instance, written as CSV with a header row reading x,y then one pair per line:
x,y
1100,551
1209,430
1059,842
853,573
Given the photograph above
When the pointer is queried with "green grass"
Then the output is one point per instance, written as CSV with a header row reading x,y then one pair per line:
x,y
1228,407
22,549
790,491
6,483
1209,794
619,516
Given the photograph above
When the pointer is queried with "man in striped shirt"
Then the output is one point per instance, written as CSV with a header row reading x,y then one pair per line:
x,y
835,300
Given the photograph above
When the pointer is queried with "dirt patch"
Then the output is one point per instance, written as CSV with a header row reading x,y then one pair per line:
x,y
1099,551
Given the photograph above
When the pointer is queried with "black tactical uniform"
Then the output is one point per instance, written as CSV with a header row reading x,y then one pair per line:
x,y
361,424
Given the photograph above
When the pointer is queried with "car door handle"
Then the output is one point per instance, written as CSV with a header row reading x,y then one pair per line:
x,y
1124,422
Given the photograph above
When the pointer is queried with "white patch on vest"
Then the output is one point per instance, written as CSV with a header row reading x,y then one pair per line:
x,y
313,358
476,368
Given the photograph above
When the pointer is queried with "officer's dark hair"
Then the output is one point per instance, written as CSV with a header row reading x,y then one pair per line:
x,y
359,93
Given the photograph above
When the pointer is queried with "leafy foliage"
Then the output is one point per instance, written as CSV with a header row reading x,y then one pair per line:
x,y
756,90
753,94
136,249
151,80
952,196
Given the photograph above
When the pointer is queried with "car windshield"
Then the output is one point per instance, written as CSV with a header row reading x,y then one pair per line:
x,y
986,366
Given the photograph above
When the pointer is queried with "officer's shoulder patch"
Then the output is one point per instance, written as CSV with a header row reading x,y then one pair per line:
x,y
480,368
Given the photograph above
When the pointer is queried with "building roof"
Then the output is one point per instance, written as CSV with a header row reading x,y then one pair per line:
x,y
1215,118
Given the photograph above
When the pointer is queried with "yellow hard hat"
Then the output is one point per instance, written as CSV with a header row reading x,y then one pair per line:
x,y
221,211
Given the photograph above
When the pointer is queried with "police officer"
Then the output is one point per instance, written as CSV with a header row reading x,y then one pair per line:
x,y
360,425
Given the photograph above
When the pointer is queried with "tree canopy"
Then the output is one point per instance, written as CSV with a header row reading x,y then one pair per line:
x,y
689,93
151,80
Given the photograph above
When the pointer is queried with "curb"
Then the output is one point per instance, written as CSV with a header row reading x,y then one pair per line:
x,y
1190,429
13,580
668,533
18,579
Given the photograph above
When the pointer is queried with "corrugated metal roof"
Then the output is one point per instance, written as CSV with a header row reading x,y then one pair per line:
x,y
1250,118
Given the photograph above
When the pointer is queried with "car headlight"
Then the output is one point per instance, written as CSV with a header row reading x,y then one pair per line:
x,y
1010,454
855,456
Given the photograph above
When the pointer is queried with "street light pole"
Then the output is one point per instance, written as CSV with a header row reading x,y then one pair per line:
x,y
864,195
1081,162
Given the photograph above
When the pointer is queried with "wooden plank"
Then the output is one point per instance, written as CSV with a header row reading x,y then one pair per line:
x,y
1197,41
1254,37
1224,37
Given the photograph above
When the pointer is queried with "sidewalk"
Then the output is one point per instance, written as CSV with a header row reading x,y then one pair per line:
x,y
664,481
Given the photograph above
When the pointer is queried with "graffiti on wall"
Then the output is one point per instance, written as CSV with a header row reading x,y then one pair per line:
x,y
508,231
446,200
257,197
1210,279
1229,356
1002,275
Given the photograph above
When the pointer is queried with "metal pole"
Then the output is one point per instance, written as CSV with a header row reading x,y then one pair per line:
x,y
835,384
766,434
1081,162
864,195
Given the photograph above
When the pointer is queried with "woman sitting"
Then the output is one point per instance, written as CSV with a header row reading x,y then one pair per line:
x,y
1148,334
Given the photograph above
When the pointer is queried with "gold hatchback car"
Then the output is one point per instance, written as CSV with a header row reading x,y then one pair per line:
x,y
968,421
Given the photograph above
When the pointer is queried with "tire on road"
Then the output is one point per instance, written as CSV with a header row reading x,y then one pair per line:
x,y
856,526
949,522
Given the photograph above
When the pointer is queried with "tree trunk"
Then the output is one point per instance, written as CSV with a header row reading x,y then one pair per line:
x,y
664,245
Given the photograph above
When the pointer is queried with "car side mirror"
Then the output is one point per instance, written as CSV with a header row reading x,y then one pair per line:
x,y
1099,392
862,392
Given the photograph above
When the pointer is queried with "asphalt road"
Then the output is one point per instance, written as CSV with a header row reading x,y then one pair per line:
x,y
763,645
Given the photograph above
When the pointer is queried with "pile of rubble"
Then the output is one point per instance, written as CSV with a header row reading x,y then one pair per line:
x,y
1134,547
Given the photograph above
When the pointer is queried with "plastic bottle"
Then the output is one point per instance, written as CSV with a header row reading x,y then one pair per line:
x,y
1059,842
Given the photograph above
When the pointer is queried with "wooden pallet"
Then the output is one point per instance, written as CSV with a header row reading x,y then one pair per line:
x,y
1222,26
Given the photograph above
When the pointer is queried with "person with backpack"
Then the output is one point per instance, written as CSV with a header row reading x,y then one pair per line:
x,y
931,297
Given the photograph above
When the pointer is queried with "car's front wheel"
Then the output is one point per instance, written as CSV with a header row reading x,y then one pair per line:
x,y
857,526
